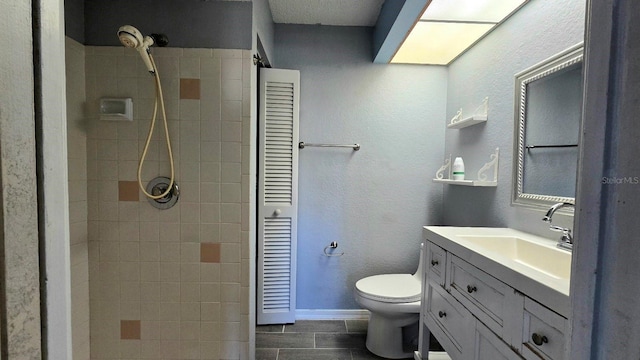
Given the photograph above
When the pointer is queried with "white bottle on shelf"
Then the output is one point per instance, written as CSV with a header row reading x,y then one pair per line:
x,y
458,169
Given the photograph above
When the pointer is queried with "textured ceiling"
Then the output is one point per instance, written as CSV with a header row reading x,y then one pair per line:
x,y
326,12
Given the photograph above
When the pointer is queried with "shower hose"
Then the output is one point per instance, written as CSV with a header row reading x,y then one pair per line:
x,y
159,99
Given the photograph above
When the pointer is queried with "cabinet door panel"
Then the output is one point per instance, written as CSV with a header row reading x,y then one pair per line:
x,y
543,333
449,322
435,263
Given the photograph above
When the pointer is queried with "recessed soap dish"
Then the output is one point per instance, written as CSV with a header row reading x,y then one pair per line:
x,y
116,109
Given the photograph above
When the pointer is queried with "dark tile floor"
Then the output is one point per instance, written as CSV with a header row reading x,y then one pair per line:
x,y
314,340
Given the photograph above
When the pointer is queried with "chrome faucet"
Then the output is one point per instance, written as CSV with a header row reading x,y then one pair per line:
x,y
566,241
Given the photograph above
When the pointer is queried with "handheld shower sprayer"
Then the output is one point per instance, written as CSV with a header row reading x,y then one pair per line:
x,y
132,38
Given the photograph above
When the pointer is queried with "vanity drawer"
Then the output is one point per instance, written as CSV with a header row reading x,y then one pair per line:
x,y
449,321
435,262
543,335
481,293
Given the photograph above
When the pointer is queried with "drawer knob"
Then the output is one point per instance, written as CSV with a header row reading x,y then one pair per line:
x,y
471,289
539,339
442,314
434,262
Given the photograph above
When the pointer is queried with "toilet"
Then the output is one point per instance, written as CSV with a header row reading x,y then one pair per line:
x,y
394,303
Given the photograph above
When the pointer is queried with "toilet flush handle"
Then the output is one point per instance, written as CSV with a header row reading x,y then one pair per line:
x,y
277,212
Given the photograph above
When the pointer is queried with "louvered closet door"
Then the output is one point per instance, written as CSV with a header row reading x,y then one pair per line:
x,y
277,195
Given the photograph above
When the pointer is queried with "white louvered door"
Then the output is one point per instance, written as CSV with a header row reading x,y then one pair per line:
x,y
277,195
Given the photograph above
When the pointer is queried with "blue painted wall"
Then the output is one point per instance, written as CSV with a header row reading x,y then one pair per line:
x,y
74,19
193,24
263,25
541,29
374,201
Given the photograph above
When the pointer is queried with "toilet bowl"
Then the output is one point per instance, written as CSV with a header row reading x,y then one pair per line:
x,y
394,303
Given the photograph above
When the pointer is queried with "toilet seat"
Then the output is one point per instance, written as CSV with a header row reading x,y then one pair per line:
x,y
390,288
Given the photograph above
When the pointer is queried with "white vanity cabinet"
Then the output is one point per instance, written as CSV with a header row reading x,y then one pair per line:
x,y
476,316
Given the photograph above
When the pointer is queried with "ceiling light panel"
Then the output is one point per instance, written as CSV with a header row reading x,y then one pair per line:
x,y
437,43
470,10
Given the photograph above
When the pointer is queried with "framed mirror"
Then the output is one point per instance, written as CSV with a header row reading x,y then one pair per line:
x,y
548,112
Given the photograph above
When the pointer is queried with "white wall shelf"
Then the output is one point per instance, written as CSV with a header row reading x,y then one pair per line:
x,y
466,182
466,122
480,115
482,179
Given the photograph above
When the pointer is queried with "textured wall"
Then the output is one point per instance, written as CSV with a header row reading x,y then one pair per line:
x,y
194,24
374,201
263,25
20,298
170,284
539,30
77,169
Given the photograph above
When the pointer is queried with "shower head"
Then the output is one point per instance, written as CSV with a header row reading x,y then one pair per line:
x,y
132,38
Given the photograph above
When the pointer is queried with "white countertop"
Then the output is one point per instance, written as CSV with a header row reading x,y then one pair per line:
x,y
551,291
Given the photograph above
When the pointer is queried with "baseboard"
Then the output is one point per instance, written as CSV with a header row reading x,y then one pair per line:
x,y
433,355
331,314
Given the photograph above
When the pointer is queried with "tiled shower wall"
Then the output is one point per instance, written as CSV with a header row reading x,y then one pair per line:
x,y
170,284
77,171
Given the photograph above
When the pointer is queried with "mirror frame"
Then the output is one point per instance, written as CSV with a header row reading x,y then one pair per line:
x,y
560,61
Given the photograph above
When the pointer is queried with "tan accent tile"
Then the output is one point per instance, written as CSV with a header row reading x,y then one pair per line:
x,y
210,253
130,329
128,191
190,89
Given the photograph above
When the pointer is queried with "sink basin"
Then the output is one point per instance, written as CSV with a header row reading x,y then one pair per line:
x,y
541,257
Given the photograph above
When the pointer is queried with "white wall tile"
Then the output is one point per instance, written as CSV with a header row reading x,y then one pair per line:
x,y
127,87
129,231
127,150
231,69
230,193
231,131
160,247
231,110
190,232
210,151
170,252
149,232
107,191
197,53
230,172
128,211
150,271
170,271
230,233
231,89
210,192
210,129
210,67
189,67
107,150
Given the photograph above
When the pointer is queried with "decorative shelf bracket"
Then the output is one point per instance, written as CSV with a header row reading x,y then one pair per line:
x,y
481,114
447,165
483,109
456,118
492,163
